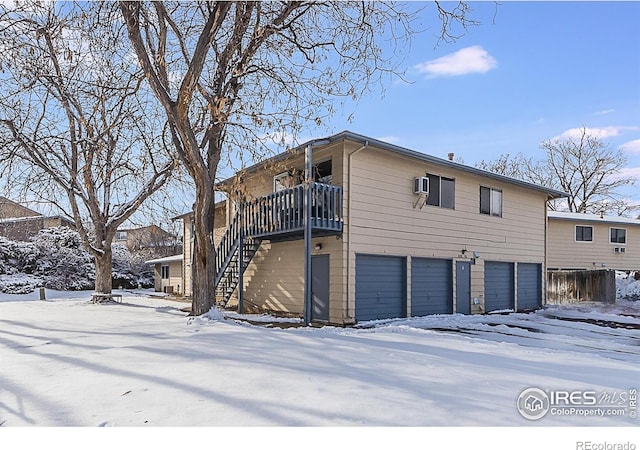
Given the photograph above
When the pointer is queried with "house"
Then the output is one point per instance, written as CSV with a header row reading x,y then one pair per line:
x,y
19,223
151,240
590,241
378,231
219,230
168,274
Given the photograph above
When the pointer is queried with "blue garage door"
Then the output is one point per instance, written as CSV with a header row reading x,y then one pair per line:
x,y
431,286
529,286
498,286
380,287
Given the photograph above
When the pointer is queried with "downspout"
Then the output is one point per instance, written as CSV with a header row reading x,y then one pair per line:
x,y
543,274
350,294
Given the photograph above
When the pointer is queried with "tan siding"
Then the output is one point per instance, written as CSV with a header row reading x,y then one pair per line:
x,y
565,253
175,277
385,221
274,280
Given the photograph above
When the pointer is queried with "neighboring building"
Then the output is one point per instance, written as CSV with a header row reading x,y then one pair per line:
x,y
152,241
168,274
19,223
588,241
219,229
395,233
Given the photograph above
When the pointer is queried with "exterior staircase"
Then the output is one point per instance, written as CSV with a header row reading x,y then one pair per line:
x,y
231,274
277,216
228,265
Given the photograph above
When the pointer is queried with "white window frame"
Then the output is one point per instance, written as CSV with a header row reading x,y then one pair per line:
x,y
165,268
492,206
278,185
575,229
432,185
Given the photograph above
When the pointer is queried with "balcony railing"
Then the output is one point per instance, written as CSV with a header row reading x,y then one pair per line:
x,y
283,212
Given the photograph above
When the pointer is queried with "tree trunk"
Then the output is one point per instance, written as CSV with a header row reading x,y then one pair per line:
x,y
103,272
204,253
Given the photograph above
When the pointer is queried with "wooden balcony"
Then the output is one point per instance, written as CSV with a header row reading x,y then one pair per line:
x,y
281,215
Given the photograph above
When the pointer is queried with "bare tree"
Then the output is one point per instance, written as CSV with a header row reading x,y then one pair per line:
x,y
584,167
230,73
589,170
75,114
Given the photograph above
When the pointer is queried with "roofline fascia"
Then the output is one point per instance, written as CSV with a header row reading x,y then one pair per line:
x,y
358,138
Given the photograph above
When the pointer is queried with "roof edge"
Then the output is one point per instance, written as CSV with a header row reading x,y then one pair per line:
x,y
355,137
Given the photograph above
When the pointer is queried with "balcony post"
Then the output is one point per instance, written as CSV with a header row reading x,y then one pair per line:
x,y
308,176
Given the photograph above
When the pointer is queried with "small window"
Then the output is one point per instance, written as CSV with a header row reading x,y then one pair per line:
x,y
584,234
490,201
283,181
164,272
322,172
442,192
121,235
618,236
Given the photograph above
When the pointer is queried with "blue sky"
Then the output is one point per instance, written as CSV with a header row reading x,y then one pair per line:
x,y
531,72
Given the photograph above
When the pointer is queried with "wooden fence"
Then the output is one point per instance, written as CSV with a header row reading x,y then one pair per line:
x,y
573,286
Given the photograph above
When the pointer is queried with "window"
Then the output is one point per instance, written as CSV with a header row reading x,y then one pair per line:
x,y
584,234
490,201
283,181
442,191
164,272
618,235
121,235
322,172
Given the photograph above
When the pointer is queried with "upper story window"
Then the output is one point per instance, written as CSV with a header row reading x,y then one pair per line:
x,y
442,191
283,181
121,235
584,233
321,172
618,235
490,201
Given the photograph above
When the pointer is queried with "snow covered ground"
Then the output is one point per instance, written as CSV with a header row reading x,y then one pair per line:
x,y
144,363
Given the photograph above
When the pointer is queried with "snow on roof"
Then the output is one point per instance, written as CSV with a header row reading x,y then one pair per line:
x,y
563,215
166,259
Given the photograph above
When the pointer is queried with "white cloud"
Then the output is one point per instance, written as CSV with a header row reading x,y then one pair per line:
x,y
473,59
604,112
631,146
601,133
630,172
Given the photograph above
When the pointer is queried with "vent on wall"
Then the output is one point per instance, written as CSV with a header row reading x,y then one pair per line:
x,y
421,185
619,249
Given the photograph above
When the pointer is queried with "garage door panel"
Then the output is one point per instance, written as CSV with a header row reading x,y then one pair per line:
x,y
529,286
380,292
498,286
431,286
